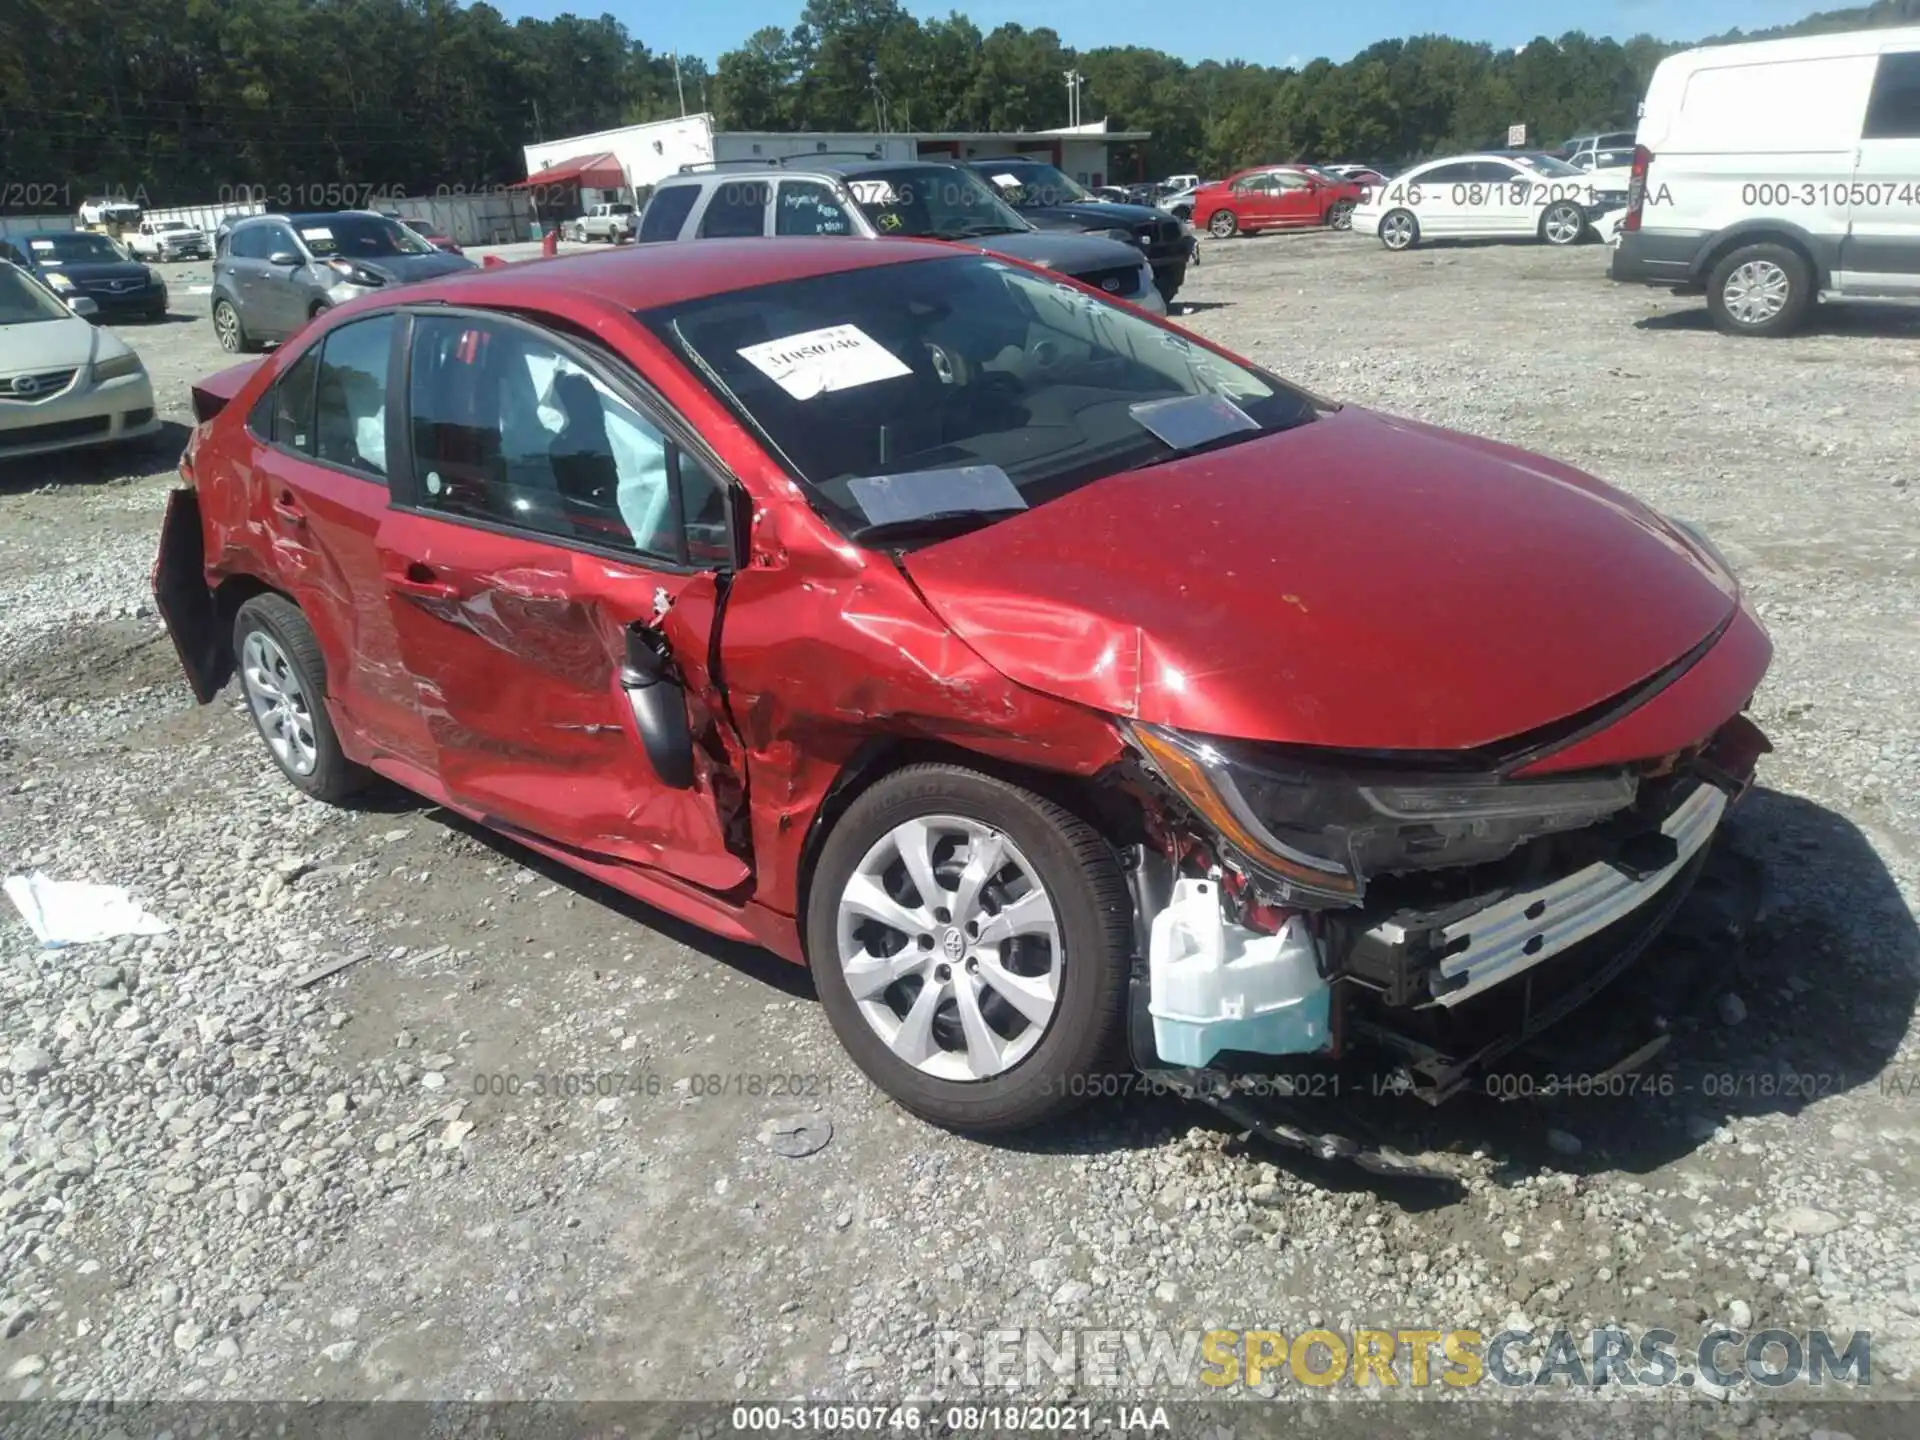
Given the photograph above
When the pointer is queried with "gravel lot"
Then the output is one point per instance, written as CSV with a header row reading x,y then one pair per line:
x,y
219,1183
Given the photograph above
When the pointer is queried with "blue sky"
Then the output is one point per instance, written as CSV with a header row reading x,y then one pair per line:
x,y
1267,32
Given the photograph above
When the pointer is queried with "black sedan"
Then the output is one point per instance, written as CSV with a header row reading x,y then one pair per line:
x,y
1049,199
73,263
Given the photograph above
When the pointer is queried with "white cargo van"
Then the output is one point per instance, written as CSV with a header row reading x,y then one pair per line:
x,y
1768,175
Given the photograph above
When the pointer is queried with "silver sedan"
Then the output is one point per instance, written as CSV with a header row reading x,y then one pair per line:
x,y
64,382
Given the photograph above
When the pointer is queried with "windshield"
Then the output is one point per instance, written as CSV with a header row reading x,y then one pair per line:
x,y
24,300
1546,165
1028,182
946,370
943,203
77,247
170,225
358,236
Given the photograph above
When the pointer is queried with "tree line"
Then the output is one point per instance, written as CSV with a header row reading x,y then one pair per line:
x,y
179,101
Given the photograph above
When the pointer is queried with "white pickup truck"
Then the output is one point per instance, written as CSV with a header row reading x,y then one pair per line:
x,y
169,240
612,221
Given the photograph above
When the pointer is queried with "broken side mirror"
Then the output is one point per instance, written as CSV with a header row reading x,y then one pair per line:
x,y
659,706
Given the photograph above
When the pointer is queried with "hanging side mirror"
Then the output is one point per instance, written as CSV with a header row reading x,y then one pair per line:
x,y
659,704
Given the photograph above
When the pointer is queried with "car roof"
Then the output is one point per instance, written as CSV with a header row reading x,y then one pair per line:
x,y
648,276
802,164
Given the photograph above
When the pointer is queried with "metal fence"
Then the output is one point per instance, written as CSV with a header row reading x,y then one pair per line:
x,y
498,218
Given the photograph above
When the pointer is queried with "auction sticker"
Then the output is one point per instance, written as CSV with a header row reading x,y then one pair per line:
x,y
814,362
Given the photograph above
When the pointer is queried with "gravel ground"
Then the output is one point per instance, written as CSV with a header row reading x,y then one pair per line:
x,y
221,1182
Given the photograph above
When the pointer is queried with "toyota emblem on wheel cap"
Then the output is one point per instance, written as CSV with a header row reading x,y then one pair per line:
x,y
25,385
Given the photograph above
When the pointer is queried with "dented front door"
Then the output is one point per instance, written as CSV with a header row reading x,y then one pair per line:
x,y
516,646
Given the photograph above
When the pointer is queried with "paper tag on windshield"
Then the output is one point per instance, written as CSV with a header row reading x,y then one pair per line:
x,y
813,362
317,233
1013,180
40,246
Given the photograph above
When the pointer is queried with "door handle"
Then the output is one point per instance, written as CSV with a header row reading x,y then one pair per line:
x,y
420,580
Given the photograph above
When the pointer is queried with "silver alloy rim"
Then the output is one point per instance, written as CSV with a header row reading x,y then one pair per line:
x,y
1563,225
1223,224
1342,217
279,703
1397,231
1756,292
228,324
949,943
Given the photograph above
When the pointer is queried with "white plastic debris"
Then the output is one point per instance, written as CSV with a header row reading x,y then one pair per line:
x,y
77,912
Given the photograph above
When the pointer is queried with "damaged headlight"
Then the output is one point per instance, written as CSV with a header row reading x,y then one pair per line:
x,y
1324,832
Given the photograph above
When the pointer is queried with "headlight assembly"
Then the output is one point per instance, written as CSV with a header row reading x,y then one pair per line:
x,y
1324,832
116,366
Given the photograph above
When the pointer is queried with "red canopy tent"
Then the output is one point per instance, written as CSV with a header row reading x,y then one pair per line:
x,y
596,172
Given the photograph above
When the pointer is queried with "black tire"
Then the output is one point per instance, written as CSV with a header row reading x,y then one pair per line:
x,y
1565,218
1223,224
333,776
1396,224
1090,900
234,339
1790,265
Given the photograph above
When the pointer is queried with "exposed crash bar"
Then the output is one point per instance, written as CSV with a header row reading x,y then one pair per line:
x,y
1535,925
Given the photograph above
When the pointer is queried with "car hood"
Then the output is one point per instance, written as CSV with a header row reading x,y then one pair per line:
x,y
1069,254
1360,581
1089,215
408,268
46,345
93,271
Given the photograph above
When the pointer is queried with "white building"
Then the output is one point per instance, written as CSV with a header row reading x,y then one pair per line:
x,y
646,154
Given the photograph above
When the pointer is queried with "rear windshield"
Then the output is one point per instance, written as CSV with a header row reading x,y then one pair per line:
x,y
354,236
950,365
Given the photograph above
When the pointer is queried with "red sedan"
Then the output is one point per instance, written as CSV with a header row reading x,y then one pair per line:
x,y
433,235
1274,197
1060,687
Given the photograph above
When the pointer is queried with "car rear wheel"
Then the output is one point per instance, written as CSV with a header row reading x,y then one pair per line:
x,y
1399,230
1760,290
284,676
1340,215
1563,224
227,326
968,939
1223,225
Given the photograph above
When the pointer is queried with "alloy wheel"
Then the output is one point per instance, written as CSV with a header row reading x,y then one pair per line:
x,y
1223,224
1396,231
1340,217
1564,225
1756,292
226,325
279,703
950,945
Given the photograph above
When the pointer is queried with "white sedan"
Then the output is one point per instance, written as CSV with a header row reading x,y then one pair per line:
x,y
1483,197
64,382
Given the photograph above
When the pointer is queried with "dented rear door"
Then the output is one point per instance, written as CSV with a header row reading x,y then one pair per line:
x,y
513,574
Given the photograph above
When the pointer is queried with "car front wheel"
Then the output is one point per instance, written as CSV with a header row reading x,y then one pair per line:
x,y
284,676
969,942
1224,225
1563,224
1759,290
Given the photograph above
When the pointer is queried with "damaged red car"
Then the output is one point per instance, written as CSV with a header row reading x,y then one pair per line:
x,y
1066,691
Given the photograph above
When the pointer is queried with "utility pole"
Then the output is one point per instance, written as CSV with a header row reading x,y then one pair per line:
x,y
679,85
1074,81
539,130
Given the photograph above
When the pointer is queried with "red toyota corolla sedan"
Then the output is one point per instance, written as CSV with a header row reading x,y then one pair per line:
x,y
1062,689
1275,197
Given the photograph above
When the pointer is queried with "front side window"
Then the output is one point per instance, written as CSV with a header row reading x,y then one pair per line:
x,y
350,397
738,210
939,367
808,207
510,429
1893,112
251,243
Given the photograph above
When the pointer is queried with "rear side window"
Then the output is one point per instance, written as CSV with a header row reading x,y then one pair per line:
x,y
1894,111
738,208
287,420
1464,173
809,208
667,212
350,397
